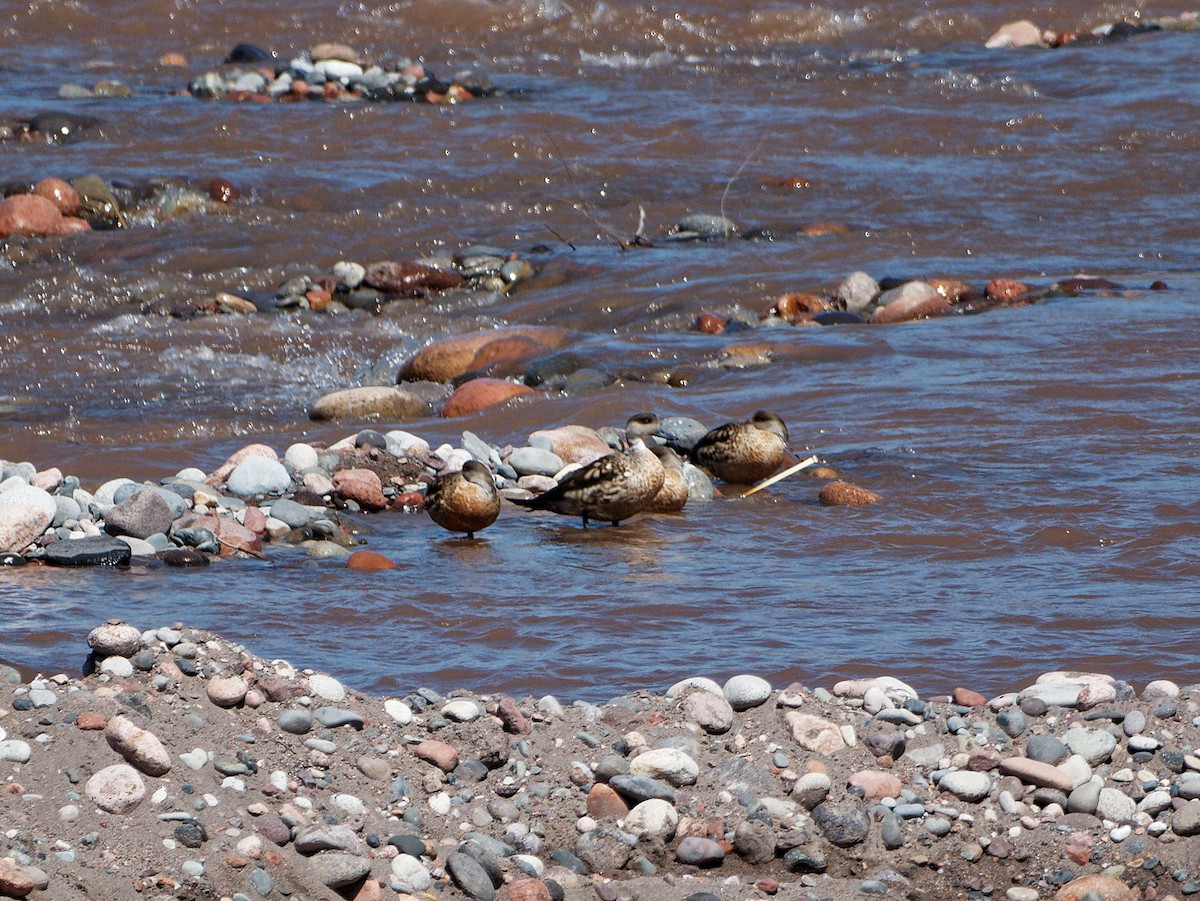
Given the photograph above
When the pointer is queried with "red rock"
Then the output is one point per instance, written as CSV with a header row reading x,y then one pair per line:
x,y
843,494
90,721
15,882
767,885
440,754
331,91
912,300
176,60
236,537
445,360
1005,289
1106,887
278,688
877,784
410,279
255,520
1079,847
1035,772
362,486
318,298
29,214
603,801
369,561
222,190
967,698
70,225
370,890
478,394
791,306
574,443
250,450
506,356
528,890
60,193
511,717
950,288
820,229
411,500
711,323
983,760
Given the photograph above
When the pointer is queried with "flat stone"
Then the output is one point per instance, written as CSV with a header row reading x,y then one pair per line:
x,y
1046,748
369,404
326,687
711,712
296,722
333,717
96,550
322,837
461,710
1186,820
1093,745
814,733
1036,772
642,788
671,765
966,785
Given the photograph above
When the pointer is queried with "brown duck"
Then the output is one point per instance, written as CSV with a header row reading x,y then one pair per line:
x,y
744,452
610,489
465,501
673,494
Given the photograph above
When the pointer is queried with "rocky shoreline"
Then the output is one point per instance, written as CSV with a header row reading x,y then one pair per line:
x,y
180,765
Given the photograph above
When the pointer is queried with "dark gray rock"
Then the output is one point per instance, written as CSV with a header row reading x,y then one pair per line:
x,y
603,850
297,722
1012,721
336,870
700,852
470,876
1047,749
94,551
641,788
332,717
408,844
754,841
891,833
489,861
844,823
804,860
740,775
885,740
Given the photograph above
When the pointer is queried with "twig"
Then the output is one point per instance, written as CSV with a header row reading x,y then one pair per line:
x,y
780,476
560,237
580,205
740,169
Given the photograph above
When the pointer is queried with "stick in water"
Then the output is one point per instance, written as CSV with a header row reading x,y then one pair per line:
x,y
780,476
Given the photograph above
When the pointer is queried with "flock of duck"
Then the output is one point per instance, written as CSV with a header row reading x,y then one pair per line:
x,y
647,476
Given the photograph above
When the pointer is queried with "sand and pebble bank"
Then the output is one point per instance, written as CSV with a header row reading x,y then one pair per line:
x,y
180,765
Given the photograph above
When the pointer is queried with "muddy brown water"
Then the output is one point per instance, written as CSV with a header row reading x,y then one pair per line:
x,y
1038,465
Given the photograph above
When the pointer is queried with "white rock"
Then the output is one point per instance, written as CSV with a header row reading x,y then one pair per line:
x,y
811,789
654,817
195,759
694,682
15,750
967,785
411,871
398,710
348,805
401,443
1115,805
668,764
116,789
744,692
138,746
25,513
440,803
117,667
326,687
115,640
461,710
1077,768
857,688
300,457
258,475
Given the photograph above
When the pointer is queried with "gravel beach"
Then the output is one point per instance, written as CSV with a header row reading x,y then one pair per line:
x,y
180,765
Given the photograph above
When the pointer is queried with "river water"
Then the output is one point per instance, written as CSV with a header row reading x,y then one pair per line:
x,y
1037,464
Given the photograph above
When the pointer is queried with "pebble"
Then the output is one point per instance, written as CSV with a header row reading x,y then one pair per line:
x,y
296,722
746,691
654,817
15,750
966,785
334,717
1093,745
326,687
255,476
470,876
138,746
671,765
115,640
409,870
711,712
642,788
699,851
335,869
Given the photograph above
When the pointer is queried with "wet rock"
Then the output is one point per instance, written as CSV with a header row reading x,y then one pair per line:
x,y
91,551
857,292
910,301
370,404
409,279
1016,34
60,193
141,515
369,561
844,823
363,486
1005,290
34,215
115,639
140,747
116,789
450,358
477,394
844,494
702,227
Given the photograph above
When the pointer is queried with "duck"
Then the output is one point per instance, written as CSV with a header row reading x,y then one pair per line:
x,y
464,501
744,452
610,489
673,495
